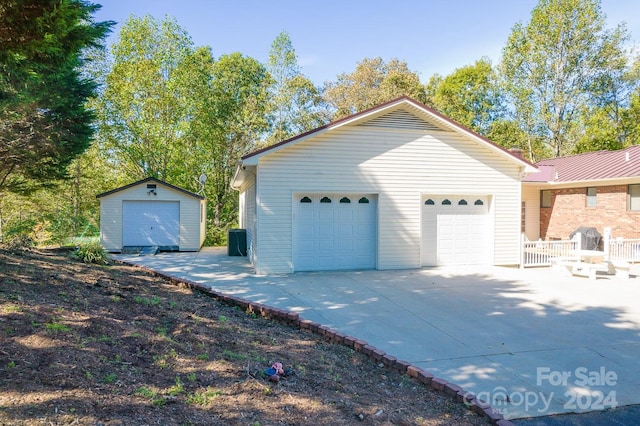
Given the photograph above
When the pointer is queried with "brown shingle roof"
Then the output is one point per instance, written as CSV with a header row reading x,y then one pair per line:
x,y
598,165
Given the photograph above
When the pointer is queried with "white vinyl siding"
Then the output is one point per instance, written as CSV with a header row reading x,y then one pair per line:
x,y
203,222
247,214
111,220
398,165
531,197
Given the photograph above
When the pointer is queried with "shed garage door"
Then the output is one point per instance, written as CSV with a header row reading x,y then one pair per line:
x,y
151,223
455,230
334,231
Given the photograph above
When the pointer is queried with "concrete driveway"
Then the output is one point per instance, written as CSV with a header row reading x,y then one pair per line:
x,y
531,342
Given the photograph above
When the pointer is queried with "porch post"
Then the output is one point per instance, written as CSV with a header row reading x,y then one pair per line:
x,y
607,242
522,240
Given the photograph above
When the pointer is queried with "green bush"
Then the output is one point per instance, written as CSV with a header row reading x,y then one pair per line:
x,y
216,236
92,252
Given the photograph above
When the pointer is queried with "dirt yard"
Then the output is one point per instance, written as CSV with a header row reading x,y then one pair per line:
x,y
115,345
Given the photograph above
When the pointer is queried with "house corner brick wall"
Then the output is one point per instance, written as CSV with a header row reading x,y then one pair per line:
x,y
568,211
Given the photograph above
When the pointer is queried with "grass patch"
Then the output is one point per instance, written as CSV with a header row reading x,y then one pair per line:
x,y
145,392
109,378
153,301
203,397
56,327
233,356
178,388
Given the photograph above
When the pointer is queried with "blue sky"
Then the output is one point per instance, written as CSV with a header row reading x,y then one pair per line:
x,y
330,37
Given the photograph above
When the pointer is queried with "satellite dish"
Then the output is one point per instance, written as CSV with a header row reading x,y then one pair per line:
x,y
201,180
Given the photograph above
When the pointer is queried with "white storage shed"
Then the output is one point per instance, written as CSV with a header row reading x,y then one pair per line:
x,y
152,213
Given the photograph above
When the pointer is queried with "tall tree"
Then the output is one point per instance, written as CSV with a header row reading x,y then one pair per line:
x,y
173,111
297,105
141,110
552,64
236,117
610,116
373,82
226,102
44,123
469,95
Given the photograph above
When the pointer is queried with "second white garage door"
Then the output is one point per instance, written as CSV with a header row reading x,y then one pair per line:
x,y
455,230
334,232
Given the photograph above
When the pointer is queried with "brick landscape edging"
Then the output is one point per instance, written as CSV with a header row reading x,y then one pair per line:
x,y
479,407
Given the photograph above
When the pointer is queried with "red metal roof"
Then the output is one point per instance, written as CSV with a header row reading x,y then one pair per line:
x,y
597,165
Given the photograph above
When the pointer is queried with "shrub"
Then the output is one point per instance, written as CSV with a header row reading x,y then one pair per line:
x,y
92,252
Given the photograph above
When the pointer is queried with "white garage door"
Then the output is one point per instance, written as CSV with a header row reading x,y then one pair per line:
x,y
333,232
455,230
150,223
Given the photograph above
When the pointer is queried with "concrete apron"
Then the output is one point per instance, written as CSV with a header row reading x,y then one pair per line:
x,y
530,342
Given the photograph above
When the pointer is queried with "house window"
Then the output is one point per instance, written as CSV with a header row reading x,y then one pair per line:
x,y
462,202
446,202
363,200
429,202
325,200
634,198
478,203
345,200
523,216
545,198
305,200
591,196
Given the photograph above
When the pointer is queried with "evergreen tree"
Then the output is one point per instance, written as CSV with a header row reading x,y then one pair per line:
x,y
44,123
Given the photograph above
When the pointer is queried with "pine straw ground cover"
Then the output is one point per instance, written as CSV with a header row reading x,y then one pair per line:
x,y
116,345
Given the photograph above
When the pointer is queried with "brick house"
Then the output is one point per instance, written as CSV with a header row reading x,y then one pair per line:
x,y
597,189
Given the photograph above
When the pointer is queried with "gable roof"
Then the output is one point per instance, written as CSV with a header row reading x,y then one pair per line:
x,y
590,166
434,121
150,179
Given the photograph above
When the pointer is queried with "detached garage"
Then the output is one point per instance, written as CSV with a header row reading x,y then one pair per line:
x,y
397,186
152,213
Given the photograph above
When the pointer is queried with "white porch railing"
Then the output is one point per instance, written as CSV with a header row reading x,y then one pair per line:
x,y
620,249
542,253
